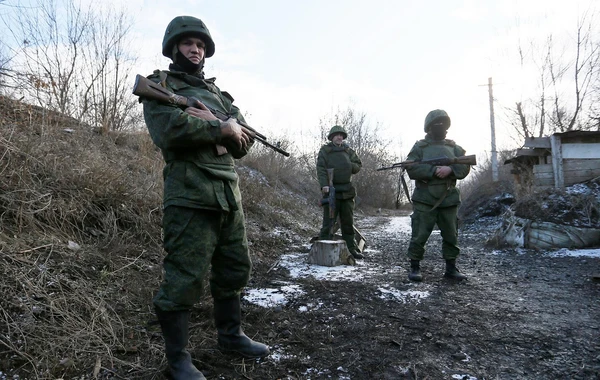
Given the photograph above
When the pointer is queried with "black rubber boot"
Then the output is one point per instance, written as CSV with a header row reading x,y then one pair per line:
x,y
174,325
415,271
452,272
357,255
351,244
228,318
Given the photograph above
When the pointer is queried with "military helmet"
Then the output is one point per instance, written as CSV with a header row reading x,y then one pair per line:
x,y
337,129
436,115
183,26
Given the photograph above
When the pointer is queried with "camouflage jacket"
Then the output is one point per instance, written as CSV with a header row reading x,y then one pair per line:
x,y
345,163
429,188
194,175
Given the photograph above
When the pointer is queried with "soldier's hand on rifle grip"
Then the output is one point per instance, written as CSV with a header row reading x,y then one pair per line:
x,y
200,111
443,171
248,134
232,130
325,190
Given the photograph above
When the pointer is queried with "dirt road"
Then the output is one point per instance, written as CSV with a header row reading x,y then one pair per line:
x,y
520,315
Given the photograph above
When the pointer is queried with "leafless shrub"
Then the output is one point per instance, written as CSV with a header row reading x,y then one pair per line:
x,y
74,61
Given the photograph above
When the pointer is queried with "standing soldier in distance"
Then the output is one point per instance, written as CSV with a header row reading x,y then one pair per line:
x,y
345,162
203,222
435,198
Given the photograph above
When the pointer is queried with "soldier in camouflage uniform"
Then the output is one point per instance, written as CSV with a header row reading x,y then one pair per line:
x,y
203,222
345,162
435,198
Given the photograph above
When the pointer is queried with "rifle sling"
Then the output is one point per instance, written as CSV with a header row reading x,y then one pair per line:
x,y
404,185
449,184
441,199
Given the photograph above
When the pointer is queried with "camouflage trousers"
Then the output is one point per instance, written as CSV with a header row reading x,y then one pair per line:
x,y
198,242
344,208
423,220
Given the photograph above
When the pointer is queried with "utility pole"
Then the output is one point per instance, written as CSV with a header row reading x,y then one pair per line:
x,y
493,127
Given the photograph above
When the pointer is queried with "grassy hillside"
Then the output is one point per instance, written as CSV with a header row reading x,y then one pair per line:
x,y
80,242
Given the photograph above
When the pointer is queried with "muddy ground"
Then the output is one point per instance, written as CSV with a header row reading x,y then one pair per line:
x,y
520,315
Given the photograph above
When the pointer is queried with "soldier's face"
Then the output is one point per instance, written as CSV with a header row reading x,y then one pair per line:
x,y
193,49
337,139
439,131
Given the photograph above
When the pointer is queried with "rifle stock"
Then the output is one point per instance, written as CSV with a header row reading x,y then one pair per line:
x,y
441,161
145,88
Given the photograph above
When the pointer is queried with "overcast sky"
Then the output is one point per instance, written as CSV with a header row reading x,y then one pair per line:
x,y
290,63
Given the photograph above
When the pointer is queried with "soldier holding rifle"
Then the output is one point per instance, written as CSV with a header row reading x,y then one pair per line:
x,y
435,198
203,222
344,161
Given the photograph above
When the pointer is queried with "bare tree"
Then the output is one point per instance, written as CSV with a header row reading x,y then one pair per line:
x,y
594,108
74,60
3,65
374,188
567,81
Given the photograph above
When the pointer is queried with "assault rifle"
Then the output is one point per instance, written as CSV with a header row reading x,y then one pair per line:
x,y
330,200
144,87
438,161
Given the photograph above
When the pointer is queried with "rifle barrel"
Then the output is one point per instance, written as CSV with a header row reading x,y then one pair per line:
x,y
223,116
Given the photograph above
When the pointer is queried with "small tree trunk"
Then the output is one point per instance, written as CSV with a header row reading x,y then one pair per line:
x,y
330,253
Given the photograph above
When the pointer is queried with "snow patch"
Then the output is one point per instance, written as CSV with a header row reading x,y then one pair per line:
x,y
403,296
299,268
399,225
594,253
463,377
271,297
278,354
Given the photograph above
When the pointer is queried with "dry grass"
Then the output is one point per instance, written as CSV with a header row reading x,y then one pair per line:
x,y
80,245
78,211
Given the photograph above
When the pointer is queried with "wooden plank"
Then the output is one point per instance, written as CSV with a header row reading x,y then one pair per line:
x,y
546,175
546,182
361,245
361,242
537,142
587,173
545,168
582,164
577,171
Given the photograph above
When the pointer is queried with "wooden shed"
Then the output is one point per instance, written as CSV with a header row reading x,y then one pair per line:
x,y
560,160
